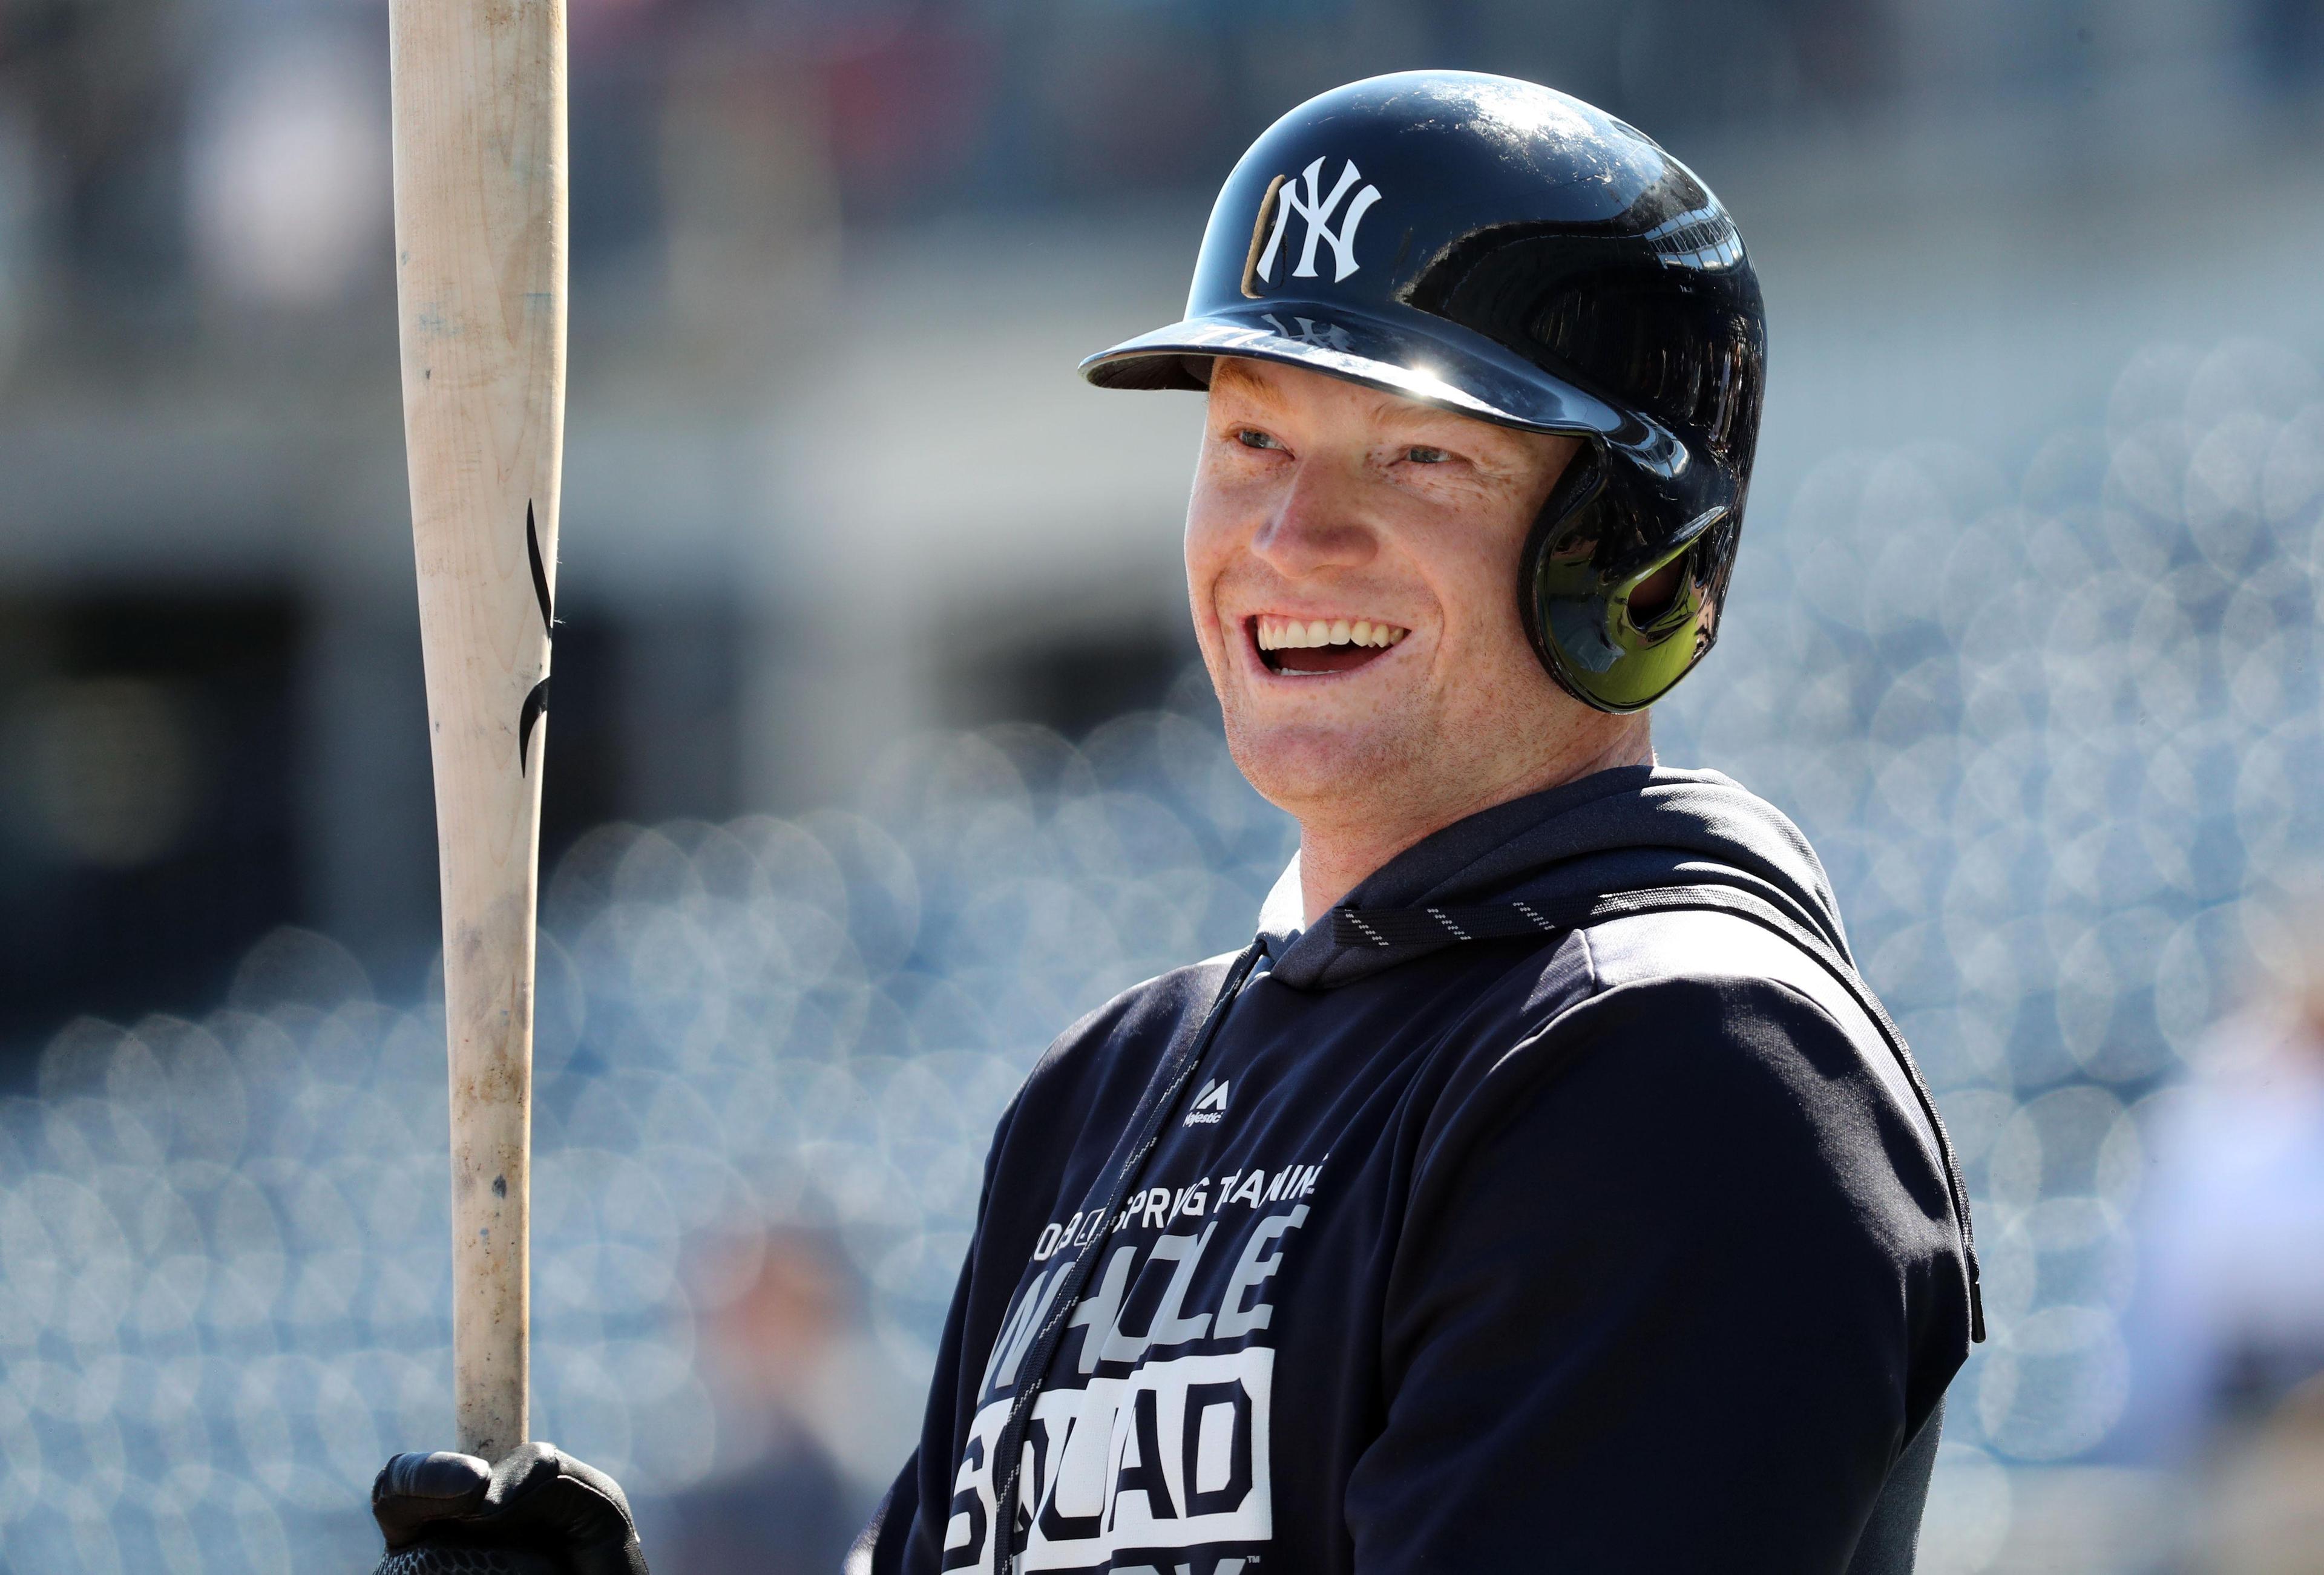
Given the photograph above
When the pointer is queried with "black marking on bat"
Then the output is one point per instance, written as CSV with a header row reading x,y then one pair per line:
x,y
535,706
535,702
539,572
500,1186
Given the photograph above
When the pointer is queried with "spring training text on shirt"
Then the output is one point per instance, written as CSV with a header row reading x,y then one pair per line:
x,y
1153,1431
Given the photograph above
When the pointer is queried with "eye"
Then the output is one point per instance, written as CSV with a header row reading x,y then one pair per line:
x,y
1421,454
1252,437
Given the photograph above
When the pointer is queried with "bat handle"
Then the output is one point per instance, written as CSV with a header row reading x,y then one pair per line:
x,y
441,1559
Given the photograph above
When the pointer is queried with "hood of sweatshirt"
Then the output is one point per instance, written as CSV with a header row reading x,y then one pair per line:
x,y
1628,829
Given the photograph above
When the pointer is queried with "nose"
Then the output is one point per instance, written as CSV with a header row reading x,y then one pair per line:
x,y
1315,526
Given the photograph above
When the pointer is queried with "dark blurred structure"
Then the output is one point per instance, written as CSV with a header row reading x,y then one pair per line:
x,y
150,829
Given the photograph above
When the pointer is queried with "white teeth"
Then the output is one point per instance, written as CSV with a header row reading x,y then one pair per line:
x,y
1293,633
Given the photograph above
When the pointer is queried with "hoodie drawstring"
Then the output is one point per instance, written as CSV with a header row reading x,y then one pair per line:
x,y
1163,1091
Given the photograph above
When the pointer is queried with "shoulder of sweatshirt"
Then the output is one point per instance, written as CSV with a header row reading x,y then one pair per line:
x,y
1712,983
1652,949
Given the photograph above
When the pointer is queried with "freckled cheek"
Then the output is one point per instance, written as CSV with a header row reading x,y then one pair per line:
x,y
1475,591
1211,550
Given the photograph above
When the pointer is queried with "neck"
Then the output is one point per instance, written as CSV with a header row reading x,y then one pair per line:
x,y
1336,851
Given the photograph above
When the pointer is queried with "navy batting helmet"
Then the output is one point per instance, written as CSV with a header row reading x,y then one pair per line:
x,y
1512,253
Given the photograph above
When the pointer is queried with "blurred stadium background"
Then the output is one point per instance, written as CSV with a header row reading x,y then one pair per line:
x,y
875,723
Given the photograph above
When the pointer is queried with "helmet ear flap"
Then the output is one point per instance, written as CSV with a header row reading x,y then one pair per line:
x,y
1581,566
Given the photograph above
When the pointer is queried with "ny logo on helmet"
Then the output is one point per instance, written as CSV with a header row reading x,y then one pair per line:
x,y
1285,197
1324,336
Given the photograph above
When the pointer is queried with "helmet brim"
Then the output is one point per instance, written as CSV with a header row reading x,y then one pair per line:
x,y
1428,359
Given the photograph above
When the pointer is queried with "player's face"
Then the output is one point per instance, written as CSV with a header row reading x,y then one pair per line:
x,y
1352,558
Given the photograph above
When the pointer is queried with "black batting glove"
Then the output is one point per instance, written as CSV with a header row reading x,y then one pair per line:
x,y
538,1501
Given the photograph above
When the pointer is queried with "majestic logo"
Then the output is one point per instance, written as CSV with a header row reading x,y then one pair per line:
x,y
1285,198
1209,1105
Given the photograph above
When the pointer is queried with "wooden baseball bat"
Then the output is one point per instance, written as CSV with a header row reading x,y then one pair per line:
x,y
480,251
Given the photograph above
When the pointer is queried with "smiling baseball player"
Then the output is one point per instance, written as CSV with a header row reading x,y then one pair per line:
x,y
1540,1189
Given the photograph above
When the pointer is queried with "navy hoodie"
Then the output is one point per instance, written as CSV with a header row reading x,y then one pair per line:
x,y
1627,1246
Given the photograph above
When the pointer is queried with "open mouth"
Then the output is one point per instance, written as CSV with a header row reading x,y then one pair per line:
x,y
1311,647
